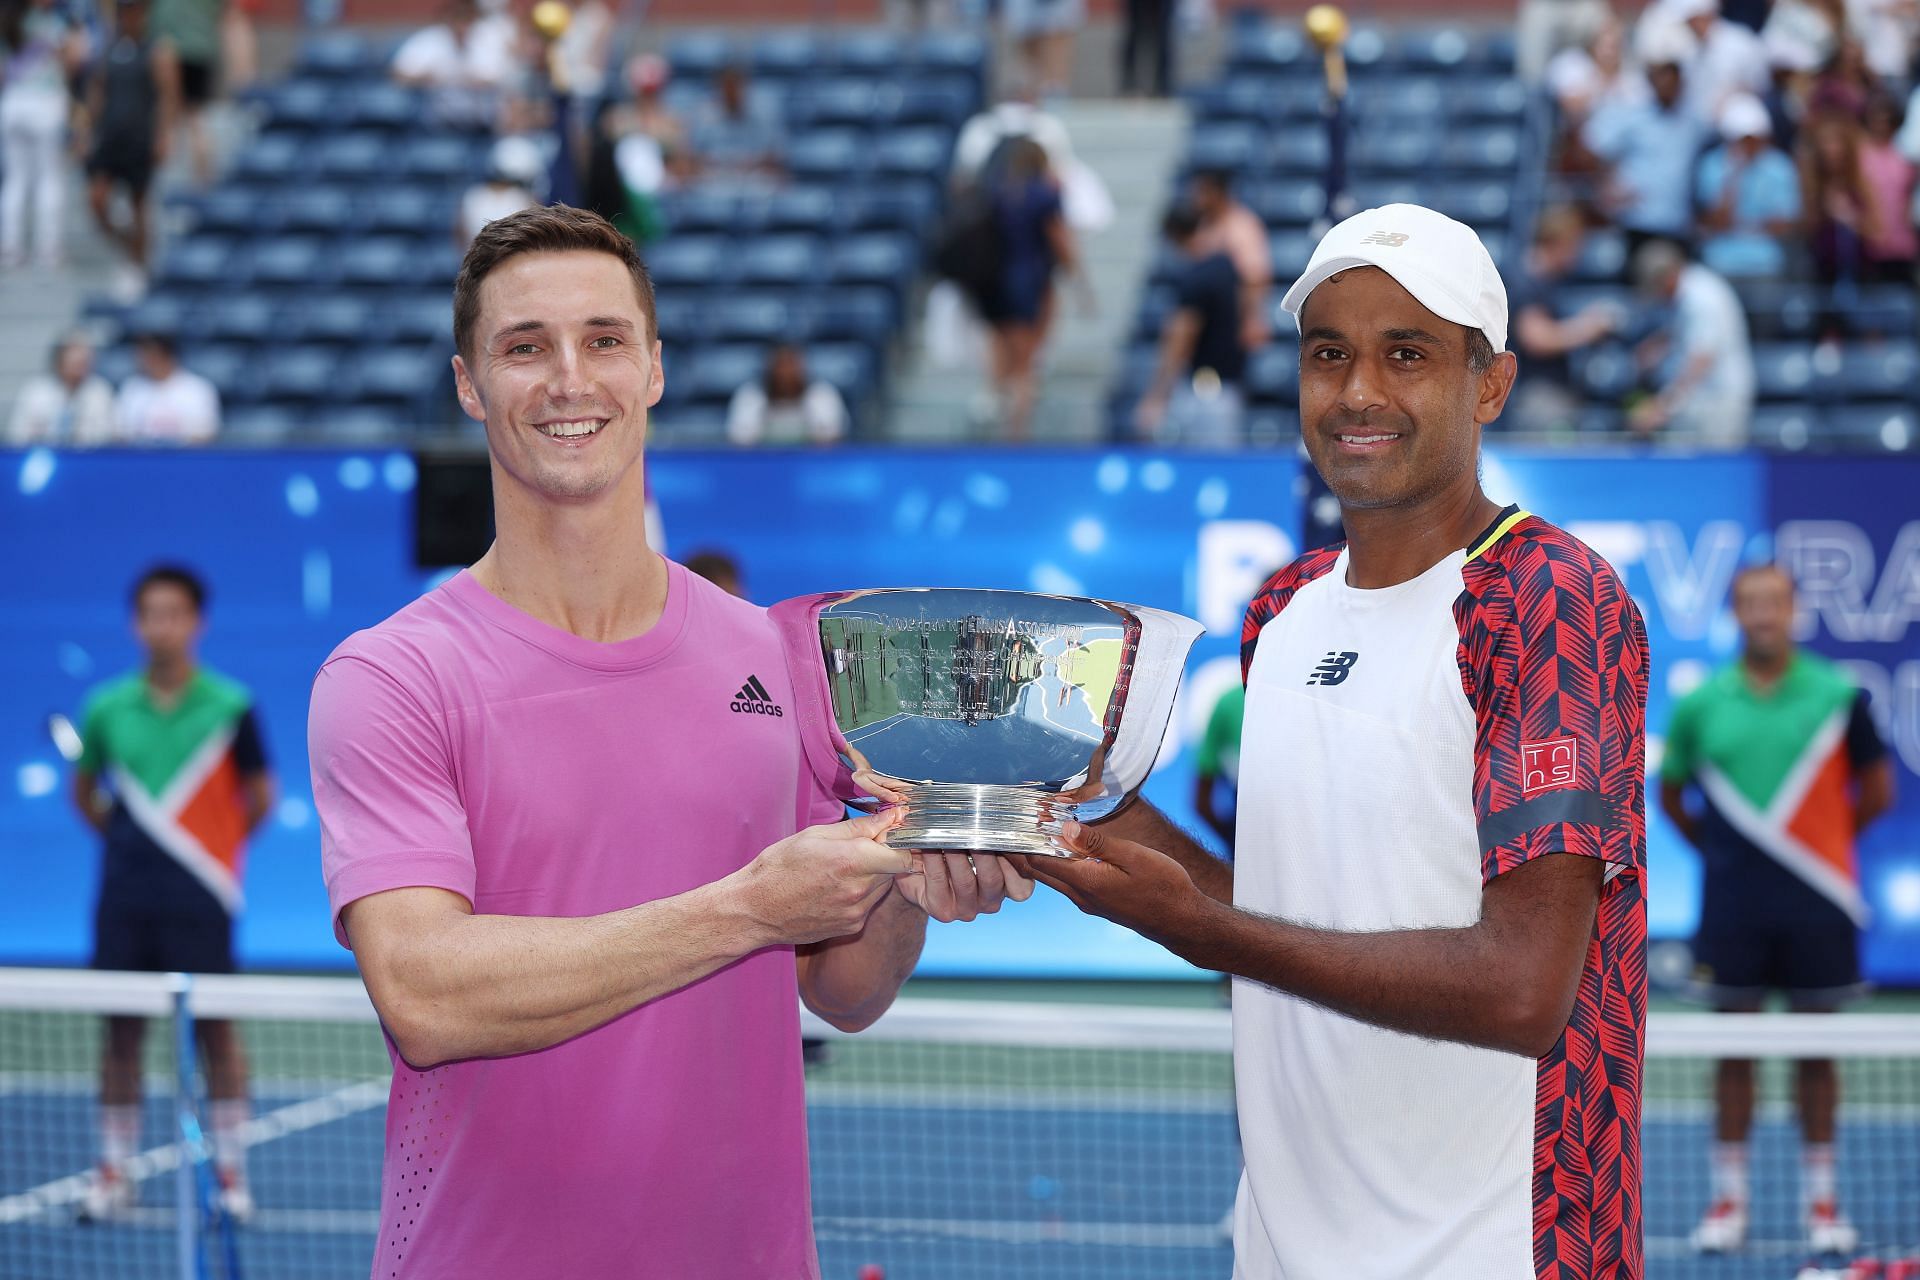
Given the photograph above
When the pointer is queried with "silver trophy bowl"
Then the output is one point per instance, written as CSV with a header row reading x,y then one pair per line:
x,y
993,716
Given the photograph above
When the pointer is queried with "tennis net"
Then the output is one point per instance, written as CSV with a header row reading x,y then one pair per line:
x,y
952,1141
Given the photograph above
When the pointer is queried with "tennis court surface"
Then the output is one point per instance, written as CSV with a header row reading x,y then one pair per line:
x,y
956,1140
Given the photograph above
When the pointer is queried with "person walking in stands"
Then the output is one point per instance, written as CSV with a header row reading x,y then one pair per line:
x,y
1790,770
186,782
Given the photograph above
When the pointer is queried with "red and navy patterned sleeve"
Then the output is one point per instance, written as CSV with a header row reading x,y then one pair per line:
x,y
1553,657
1275,595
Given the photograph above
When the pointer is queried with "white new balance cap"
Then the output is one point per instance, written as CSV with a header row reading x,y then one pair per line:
x,y
1439,261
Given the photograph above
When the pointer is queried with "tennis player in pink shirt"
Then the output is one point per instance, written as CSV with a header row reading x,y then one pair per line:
x,y
583,884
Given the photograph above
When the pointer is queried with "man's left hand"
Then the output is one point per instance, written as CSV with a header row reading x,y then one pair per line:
x,y
961,886
1119,880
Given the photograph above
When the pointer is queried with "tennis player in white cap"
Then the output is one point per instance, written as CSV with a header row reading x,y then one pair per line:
x,y
1437,911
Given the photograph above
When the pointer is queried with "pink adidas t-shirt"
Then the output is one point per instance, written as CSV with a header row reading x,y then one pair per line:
x,y
464,745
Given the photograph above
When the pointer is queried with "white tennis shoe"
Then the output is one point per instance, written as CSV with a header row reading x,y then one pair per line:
x,y
1723,1230
1828,1230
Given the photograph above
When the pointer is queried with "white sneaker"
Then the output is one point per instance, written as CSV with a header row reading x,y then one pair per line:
x,y
1828,1230
109,1193
235,1200
1723,1230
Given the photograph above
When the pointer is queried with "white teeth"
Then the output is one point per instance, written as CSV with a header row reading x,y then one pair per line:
x,y
1369,439
568,430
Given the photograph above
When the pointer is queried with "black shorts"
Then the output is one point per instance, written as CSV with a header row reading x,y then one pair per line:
x,y
1814,959
125,162
172,937
196,82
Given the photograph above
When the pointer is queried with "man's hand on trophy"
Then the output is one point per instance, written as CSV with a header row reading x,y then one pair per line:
x,y
1118,880
822,882
962,886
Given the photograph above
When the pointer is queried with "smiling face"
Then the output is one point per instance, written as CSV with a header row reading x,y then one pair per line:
x,y
1389,408
562,370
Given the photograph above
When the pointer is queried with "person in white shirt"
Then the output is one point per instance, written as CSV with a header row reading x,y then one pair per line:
x,y
70,405
516,179
165,403
786,406
1705,375
1727,57
467,61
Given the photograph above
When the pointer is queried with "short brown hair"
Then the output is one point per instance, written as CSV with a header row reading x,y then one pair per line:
x,y
555,228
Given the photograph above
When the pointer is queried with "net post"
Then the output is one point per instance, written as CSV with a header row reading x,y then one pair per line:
x,y
186,1216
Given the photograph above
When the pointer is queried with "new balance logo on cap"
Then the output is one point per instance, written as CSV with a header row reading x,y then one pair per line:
x,y
1392,239
1333,668
753,699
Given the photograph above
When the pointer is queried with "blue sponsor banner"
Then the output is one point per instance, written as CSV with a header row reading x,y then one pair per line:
x,y
302,548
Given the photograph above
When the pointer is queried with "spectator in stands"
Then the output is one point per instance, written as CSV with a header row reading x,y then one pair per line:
x,y
1196,394
1044,30
1148,35
1840,210
192,27
648,115
787,406
1650,147
1781,907
719,568
1790,98
467,62
1216,765
737,135
1229,227
1035,244
239,45
1808,31
1749,195
165,403
1728,58
69,406
132,101
979,152
41,50
640,149
516,179
1890,182
1544,397
1703,363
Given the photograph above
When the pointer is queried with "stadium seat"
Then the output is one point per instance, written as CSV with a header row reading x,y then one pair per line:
x,y
1481,149
1475,98
915,152
302,106
204,260
1291,250
160,313
1273,375
324,210
1369,51
1285,202
750,317
1436,50
801,208
425,317
233,370
1888,426
712,374
390,107
342,319
848,366
1878,310
950,51
359,156
274,158
873,257
827,155
838,102
1779,310
700,212
870,52
789,54
292,260
1271,48
1297,149
1865,371
297,375
1789,427
353,424
376,260
236,317
1412,150
896,205
1603,257
778,260
1783,371
689,426
700,54
680,317
440,158
1396,104
862,314
409,210
409,379
258,425
945,101
338,55
1605,371
235,210
1231,145
1272,428
690,261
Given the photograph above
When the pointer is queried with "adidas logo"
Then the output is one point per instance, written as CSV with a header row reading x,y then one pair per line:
x,y
753,699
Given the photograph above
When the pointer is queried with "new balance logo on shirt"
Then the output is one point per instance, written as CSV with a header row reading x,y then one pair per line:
x,y
1334,667
753,699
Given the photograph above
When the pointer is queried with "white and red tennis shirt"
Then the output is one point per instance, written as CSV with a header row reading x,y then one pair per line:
x,y
1404,746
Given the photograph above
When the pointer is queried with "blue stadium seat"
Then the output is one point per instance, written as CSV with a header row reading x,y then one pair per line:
x,y
786,53
1369,51
158,312
370,423
1503,100
946,101
1885,310
849,366
115,364
1866,371
951,51
1783,370
875,52
392,108
750,317
259,425
1291,249
1411,150
1273,427
873,257
1286,202
828,103
896,206
701,54
292,260
360,156
701,211
1779,310
1298,149
234,370
302,106
339,318
1888,425
1442,50
435,262
917,151
714,373
690,261
1231,145
689,427
1789,426
863,314
274,158
1271,48
295,375
779,260
1369,193
827,154
410,379
338,55
1395,103
1273,375
204,260
409,210
1475,203
1603,257
1481,148
236,210
237,317
681,317
440,158
1605,371
808,209
425,317
329,210
380,261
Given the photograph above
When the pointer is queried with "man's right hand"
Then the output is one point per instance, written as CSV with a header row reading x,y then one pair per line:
x,y
822,882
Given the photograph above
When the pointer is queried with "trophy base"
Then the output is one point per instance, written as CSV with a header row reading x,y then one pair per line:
x,y
980,819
